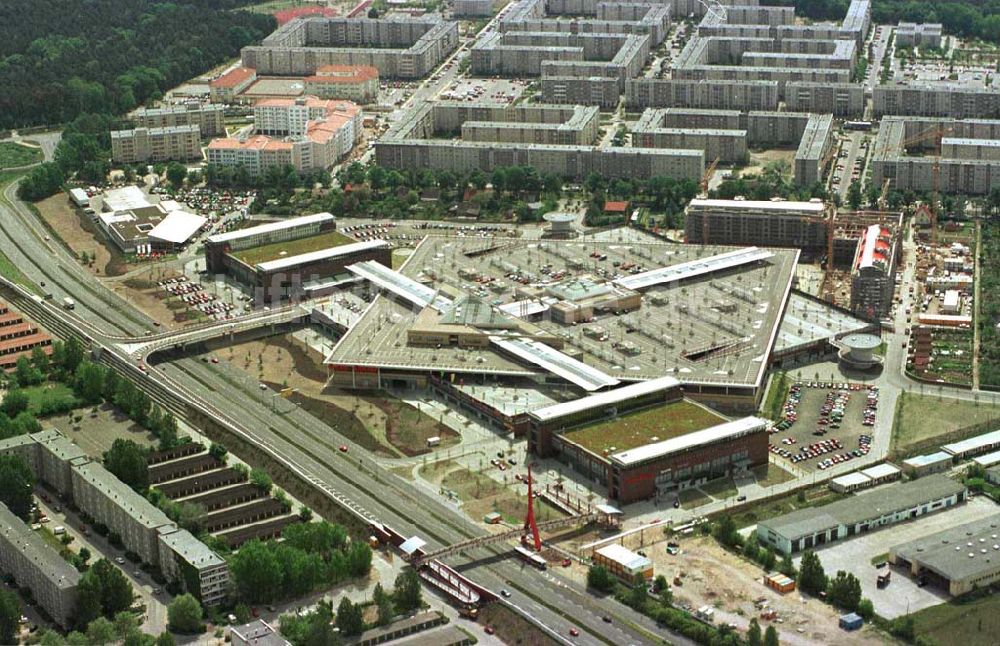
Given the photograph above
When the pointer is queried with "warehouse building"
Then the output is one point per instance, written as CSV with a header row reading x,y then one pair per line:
x,y
958,559
974,445
220,245
398,47
623,563
631,438
36,566
174,143
209,118
776,223
816,526
865,478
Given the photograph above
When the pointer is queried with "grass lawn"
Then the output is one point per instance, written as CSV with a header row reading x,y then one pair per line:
x,y
971,623
777,507
775,475
289,248
923,417
47,396
511,627
693,498
13,155
408,429
653,424
720,488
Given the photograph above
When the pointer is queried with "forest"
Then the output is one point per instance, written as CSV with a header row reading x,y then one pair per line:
x,y
969,19
63,58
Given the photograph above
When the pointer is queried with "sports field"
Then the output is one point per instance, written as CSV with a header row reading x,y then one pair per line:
x,y
644,427
288,248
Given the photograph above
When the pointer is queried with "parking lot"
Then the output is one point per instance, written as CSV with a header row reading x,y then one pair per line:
x,y
504,91
903,594
825,424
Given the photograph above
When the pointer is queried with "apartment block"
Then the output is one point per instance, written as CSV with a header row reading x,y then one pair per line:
x,y
318,134
601,91
408,48
937,100
143,528
728,146
846,100
141,145
416,142
358,83
777,223
209,118
813,148
35,565
714,95
227,87
911,34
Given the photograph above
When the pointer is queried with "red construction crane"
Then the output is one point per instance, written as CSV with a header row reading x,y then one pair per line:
x,y
529,519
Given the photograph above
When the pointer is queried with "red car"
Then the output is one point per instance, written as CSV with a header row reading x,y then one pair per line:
x,y
490,630
567,562
343,448
573,632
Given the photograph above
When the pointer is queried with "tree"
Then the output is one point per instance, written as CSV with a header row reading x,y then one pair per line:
x,y
866,610
184,614
599,578
638,594
16,483
407,593
166,639
101,631
127,460
845,591
14,402
771,636
10,617
176,173
88,601
88,382
812,578
787,566
260,479
660,584
115,591
753,634
350,620
217,451
726,533
257,573
125,623
854,196
383,602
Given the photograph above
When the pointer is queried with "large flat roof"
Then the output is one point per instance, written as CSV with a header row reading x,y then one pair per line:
x,y
692,268
270,227
728,430
403,286
322,254
957,553
552,360
760,205
929,458
177,227
606,398
872,504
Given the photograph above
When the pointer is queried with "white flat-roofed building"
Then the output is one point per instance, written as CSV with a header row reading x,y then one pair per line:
x,y
604,400
693,268
850,482
974,445
988,460
623,562
79,197
558,363
124,199
722,432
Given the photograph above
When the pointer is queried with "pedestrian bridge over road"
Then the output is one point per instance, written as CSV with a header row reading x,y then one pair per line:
x,y
240,328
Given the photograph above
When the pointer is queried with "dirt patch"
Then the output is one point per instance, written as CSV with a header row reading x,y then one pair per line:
x,y
78,232
97,431
408,429
481,494
342,421
511,627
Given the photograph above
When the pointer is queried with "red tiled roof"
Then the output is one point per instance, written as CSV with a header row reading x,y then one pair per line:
x,y
234,77
615,207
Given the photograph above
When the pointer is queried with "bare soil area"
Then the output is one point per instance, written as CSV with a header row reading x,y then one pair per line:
x,y
78,232
98,430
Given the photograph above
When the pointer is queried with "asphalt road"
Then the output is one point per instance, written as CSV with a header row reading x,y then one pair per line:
x,y
308,443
